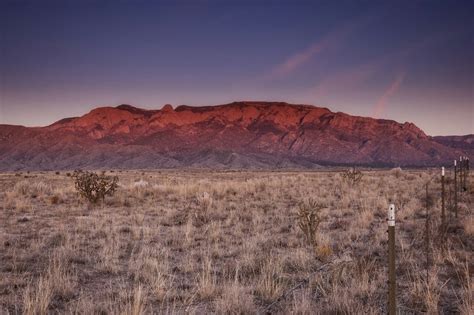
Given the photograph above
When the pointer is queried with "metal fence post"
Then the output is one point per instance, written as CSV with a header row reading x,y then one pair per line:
x,y
392,307
467,173
443,214
427,232
450,199
455,190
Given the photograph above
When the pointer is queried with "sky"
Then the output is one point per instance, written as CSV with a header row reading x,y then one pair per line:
x,y
402,60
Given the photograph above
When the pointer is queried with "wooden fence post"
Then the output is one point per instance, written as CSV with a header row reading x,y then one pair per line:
x,y
392,300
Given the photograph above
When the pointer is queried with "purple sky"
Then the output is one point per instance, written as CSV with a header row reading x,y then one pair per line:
x,y
407,61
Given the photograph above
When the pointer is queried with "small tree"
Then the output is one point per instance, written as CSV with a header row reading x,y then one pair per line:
x,y
94,187
309,219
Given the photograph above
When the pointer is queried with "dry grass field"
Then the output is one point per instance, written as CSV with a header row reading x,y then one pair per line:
x,y
229,243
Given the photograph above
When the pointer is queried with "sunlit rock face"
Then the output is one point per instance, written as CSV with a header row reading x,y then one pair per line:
x,y
236,135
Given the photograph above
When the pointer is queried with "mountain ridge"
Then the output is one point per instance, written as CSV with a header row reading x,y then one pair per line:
x,y
247,134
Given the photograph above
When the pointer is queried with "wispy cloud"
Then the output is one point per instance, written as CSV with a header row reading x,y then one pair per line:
x,y
357,75
393,88
300,58
331,40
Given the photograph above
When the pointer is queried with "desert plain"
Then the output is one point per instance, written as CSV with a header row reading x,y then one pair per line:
x,y
229,242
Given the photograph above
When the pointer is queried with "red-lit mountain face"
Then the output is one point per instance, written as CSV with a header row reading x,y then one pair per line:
x,y
236,135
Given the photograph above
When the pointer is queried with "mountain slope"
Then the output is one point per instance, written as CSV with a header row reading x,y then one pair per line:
x,y
237,135
463,143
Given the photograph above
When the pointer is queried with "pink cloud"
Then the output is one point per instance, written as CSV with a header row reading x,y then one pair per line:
x,y
357,75
389,92
299,59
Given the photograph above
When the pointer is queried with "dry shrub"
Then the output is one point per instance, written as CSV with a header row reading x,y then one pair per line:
x,y
21,188
140,183
10,200
32,189
234,300
188,231
137,302
140,189
309,218
56,283
347,286
150,267
270,284
299,260
469,226
37,297
302,303
141,186
467,298
207,280
204,202
108,254
352,176
94,187
323,252
260,186
426,292
397,172
54,200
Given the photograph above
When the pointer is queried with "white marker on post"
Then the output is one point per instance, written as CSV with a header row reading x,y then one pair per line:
x,y
391,215
454,162
442,171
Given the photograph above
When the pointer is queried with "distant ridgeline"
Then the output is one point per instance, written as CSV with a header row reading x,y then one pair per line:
x,y
238,135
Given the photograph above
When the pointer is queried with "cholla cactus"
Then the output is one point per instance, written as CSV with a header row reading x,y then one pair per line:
x,y
201,215
94,187
352,176
309,219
